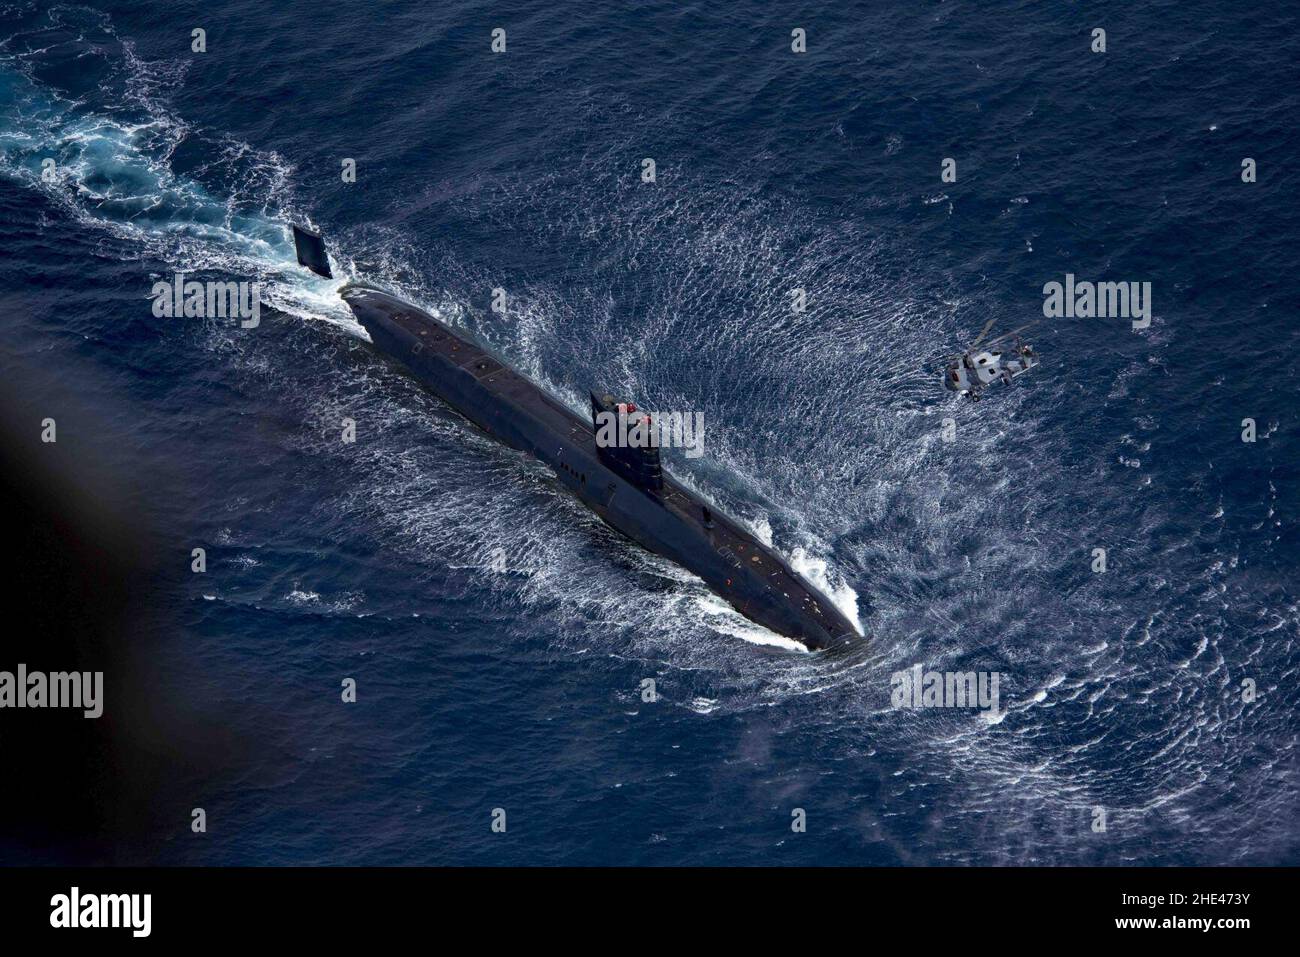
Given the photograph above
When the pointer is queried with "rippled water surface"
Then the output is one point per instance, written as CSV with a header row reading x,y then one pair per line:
x,y
522,689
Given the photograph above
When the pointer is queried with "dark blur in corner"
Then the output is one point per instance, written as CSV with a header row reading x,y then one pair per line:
x,y
81,592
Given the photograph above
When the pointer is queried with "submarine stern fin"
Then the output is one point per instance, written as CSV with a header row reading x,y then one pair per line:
x,y
311,251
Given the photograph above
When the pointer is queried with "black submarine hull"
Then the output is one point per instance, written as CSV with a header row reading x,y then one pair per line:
x,y
669,520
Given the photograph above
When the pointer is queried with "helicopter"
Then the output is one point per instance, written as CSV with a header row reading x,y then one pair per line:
x,y
977,368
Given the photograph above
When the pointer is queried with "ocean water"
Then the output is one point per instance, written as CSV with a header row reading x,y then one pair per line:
x,y
521,689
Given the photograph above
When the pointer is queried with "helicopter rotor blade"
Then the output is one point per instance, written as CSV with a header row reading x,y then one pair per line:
x,y
1008,335
983,332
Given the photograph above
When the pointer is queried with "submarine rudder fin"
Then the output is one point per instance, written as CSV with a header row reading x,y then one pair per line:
x,y
310,248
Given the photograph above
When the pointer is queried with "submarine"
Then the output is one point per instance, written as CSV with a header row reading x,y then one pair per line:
x,y
626,485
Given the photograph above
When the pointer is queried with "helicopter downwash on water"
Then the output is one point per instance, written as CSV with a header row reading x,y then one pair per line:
x,y
977,368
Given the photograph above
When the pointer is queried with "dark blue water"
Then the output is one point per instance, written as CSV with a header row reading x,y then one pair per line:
x,y
520,689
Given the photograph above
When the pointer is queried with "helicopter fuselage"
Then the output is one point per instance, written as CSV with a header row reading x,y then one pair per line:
x,y
979,368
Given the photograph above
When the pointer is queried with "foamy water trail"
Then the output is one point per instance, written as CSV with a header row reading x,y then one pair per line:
x,y
115,177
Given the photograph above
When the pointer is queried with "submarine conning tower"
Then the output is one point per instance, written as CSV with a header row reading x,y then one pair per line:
x,y
626,442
